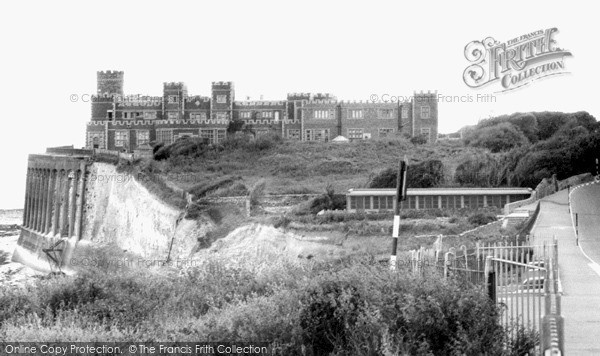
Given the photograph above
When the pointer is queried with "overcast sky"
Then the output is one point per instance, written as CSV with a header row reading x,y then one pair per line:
x,y
52,50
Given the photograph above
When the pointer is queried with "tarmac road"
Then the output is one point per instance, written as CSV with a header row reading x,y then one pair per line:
x,y
579,274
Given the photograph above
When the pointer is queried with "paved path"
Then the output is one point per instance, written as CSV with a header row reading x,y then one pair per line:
x,y
579,275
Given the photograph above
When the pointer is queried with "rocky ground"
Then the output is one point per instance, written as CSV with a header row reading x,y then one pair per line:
x,y
11,273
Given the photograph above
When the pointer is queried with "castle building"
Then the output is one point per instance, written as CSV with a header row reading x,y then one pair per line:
x,y
128,122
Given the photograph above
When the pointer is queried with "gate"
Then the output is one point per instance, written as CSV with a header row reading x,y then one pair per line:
x,y
522,280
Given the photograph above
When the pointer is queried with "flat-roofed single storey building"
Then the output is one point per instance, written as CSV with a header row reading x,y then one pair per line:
x,y
371,199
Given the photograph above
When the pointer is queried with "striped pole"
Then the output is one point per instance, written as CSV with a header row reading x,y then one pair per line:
x,y
577,228
400,195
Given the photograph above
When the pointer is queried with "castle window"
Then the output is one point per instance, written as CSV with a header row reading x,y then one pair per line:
x,y
149,115
172,115
221,116
131,114
267,114
424,112
262,132
95,140
246,114
173,99
198,116
356,114
355,133
222,99
220,135
165,136
121,138
109,114
387,114
321,114
385,132
316,135
405,112
293,134
143,137
209,135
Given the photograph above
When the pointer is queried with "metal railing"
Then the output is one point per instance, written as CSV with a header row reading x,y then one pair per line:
x,y
521,279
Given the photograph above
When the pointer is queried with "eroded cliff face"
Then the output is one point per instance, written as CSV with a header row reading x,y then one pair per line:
x,y
120,210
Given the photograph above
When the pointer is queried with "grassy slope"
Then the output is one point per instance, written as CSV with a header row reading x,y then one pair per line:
x,y
302,167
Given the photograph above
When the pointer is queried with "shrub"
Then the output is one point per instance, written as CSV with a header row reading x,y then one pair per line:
x,y
418,140
329,312
479,219
424,174
266,142
327,201
281,221
522,342
501,137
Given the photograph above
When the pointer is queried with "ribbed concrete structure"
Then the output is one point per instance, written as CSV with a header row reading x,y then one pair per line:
x,y
53,210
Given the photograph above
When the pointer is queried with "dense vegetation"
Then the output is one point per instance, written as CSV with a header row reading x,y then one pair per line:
x,y
510,150
529,147
291,167
351,307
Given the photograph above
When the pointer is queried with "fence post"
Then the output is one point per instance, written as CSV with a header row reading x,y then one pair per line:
x,y
446,263
490,278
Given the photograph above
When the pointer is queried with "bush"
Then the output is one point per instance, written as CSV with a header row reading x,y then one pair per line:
x,y
522,342
329,312
426,174
418,140
327,201
479,219
501,137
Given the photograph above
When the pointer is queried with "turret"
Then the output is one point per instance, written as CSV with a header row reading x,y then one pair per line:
x,y
110,82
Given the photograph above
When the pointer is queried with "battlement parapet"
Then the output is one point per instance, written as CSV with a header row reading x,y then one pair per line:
x,y
324,96
429,97
116,74
421,93
261,121
260,103
97,123
192,122
173,85
323,102
126,122
299,96
222,84
367,104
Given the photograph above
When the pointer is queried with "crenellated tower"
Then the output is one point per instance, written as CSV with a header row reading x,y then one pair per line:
x,y
174,95
425,115
222,98
110,82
